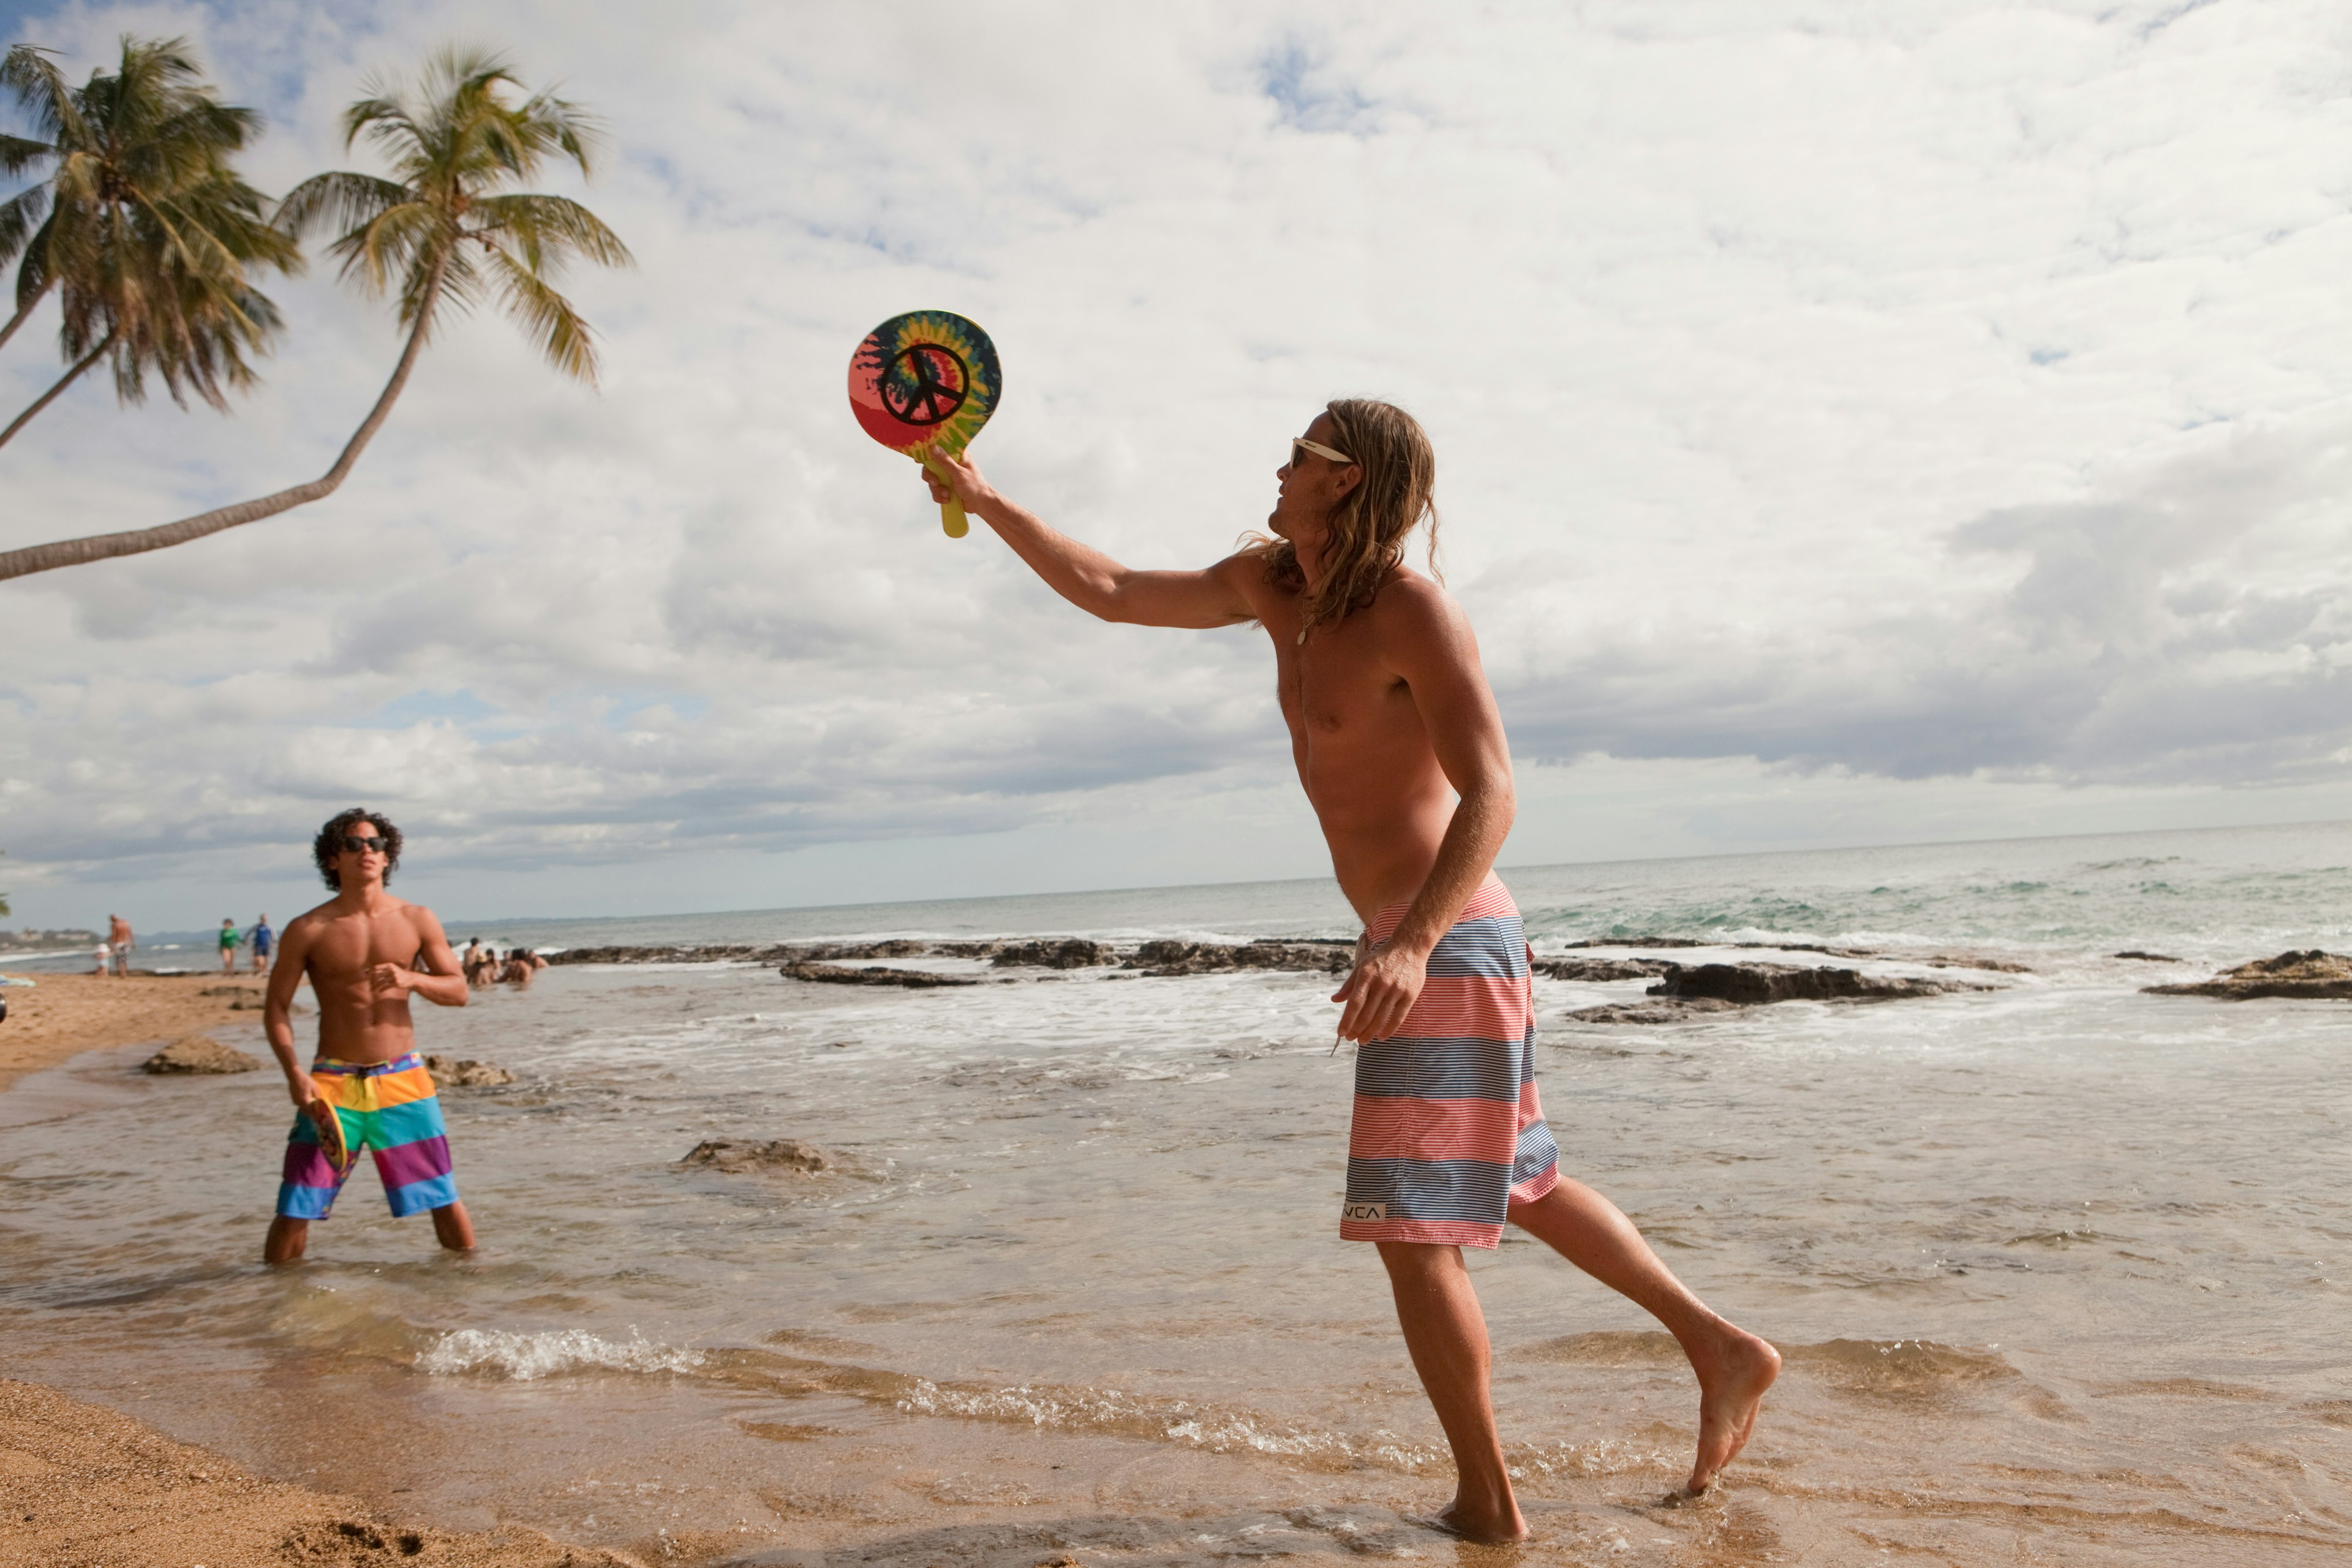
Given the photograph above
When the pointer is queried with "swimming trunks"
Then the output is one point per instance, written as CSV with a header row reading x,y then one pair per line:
x,y
388,1109
1448,1128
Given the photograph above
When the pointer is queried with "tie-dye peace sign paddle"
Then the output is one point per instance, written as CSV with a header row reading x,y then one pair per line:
x,y
926,378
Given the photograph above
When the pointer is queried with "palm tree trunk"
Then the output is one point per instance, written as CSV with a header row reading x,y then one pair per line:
x,y
106,546
50,396
18,319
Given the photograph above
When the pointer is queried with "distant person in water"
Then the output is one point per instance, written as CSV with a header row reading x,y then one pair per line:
x,y
229,942
119,938
1398,744
522,966
261,936
367,1088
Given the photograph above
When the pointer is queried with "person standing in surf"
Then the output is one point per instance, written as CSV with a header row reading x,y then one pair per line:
x,y
1402,751
367,1087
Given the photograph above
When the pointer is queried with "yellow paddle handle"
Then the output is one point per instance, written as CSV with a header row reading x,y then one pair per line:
x,y
952,516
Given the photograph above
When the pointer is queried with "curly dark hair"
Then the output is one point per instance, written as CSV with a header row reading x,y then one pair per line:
x,y
329,842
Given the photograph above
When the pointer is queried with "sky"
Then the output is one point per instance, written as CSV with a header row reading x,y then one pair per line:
x,y
1855,424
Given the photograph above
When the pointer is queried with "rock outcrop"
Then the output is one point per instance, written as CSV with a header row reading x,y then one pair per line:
x,y
2148,957
734,1158
872,974
1166,957
1753,984
1070,953
2311,973
1669,1012
1601,968
452,1072
198,1054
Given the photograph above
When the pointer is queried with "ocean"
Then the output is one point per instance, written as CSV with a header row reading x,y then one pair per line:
x,y
2059,1266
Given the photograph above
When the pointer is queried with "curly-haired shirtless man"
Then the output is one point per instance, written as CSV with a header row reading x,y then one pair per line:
x,y
1402,751
368,1088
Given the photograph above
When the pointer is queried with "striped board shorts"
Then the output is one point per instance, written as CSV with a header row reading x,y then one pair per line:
x,y
1448,1128
387,1109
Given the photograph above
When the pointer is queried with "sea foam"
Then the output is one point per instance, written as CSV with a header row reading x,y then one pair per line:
x,y
501,1353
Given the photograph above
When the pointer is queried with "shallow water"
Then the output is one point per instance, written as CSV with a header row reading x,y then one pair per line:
x,y
2060,1268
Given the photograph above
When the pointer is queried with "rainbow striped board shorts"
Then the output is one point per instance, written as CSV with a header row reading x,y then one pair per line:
x,y
387,1109
1448,1128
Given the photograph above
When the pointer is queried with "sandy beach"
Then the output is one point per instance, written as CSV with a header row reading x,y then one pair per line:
x,y
89,1488
62,1016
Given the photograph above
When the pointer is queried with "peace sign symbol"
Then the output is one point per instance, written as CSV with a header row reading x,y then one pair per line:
x,y
925,383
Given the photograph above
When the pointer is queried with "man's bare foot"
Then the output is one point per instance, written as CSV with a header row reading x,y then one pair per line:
x,y
1484,1526
1733,1370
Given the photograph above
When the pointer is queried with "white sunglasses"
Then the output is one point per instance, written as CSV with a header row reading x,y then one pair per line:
x,y
1318,447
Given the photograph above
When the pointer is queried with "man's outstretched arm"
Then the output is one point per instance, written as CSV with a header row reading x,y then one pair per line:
x,y
1085,575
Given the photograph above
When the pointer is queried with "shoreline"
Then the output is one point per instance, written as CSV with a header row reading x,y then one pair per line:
x,y
89,1487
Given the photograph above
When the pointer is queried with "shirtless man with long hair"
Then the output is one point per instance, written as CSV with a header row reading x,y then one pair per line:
x,y
1402,751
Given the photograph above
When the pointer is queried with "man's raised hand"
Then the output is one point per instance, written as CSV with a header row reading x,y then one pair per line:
x,y
963,479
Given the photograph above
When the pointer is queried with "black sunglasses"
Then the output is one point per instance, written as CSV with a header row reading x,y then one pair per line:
x,y
366,846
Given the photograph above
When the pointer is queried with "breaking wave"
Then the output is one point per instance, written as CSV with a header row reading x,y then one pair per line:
x,y
501,1353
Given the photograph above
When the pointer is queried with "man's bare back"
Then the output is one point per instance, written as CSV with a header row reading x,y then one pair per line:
x,y
1402,754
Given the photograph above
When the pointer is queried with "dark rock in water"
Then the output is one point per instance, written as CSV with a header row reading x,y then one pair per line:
x,y
451,1072
1970,961
1070,953
1169,958
1752,984
718,952
196,1054
776,1154
2150,957
1601,968
1673,1012
2311,973
966,949
892,947
873,974
1637,941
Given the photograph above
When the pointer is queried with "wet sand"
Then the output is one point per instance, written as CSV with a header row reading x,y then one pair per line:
x,y
62,1016
88,1487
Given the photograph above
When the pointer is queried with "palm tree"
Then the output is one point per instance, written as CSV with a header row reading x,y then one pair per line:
x,y
143,230
443,230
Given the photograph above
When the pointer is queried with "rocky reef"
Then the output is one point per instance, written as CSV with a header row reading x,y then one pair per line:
x,y
2311,973
453,1072
199,1054
1687,990
872,974
736,1157
1168,958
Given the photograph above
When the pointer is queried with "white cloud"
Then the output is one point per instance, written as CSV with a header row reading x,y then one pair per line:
x,y
1942,393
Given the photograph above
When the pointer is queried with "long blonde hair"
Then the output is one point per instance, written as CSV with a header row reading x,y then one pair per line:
x,y
1367,528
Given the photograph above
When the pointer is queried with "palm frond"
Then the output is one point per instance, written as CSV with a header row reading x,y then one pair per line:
x,y
546,317
18,153
34,274
544,229
40,90
20,214
341,200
